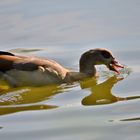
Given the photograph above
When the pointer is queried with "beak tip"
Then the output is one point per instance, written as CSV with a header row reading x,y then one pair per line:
x,y
115,66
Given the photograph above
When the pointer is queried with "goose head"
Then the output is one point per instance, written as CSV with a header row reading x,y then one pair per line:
x,y
98,56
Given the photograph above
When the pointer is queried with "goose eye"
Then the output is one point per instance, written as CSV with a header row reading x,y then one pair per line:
x,y
105,54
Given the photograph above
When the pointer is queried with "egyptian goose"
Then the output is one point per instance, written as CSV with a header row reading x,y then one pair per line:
x,y
34,71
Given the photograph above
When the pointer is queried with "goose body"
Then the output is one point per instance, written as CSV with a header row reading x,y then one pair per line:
x,y
34,71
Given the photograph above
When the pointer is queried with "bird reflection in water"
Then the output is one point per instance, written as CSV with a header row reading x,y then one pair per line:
x,y
26,98
102,93
35,98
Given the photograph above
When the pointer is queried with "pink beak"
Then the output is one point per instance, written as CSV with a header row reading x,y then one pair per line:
x,y
115,66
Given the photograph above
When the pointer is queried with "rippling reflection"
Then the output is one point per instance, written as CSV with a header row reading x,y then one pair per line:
x,y
31,98
102,93
131,119
10,109
23,99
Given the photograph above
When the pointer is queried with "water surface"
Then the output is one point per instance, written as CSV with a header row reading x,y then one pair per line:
x,y
106,108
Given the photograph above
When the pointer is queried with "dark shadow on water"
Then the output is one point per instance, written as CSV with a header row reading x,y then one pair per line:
x,y
102,93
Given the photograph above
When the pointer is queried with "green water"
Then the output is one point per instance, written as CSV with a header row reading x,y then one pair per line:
x,y
101,109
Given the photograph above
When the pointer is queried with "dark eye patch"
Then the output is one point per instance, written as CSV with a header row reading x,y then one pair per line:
x,y
105,54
